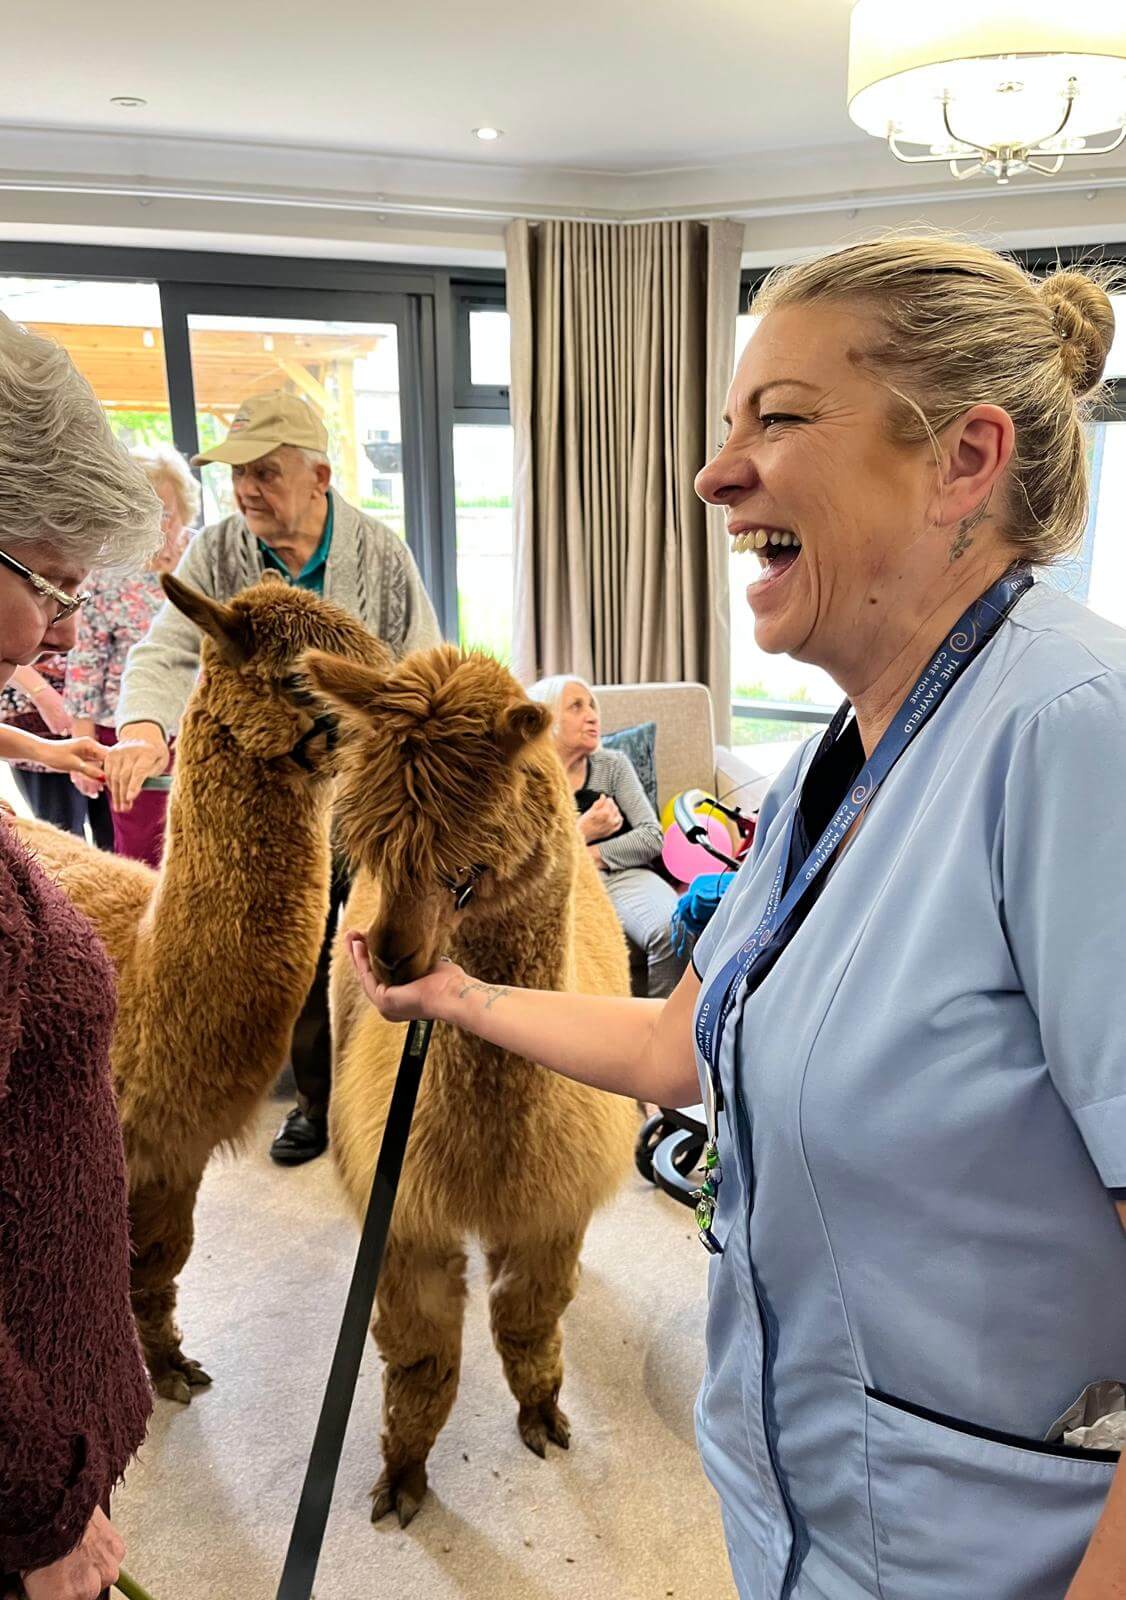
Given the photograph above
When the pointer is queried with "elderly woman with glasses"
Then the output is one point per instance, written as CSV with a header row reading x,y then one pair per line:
x,y
74,1397
47,754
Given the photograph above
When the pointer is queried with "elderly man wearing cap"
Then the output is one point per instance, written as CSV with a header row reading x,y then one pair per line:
x,y
291,520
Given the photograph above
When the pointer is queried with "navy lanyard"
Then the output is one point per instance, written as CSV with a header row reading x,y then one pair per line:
x,y
965,642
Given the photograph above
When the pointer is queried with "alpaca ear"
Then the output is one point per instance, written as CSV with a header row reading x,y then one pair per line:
x,y
520,724
222,623
349,687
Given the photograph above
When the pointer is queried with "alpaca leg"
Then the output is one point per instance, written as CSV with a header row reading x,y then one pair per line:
x,y
419,1311
160,1220
532,1286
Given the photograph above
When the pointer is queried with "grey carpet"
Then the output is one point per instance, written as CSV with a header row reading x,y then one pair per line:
x,y
626,1514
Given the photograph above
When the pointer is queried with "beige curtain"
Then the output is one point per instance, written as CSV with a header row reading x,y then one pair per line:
x,y
622,342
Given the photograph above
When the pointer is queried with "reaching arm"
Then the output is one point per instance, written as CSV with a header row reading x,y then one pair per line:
x,y
161,669
61,755
641,1048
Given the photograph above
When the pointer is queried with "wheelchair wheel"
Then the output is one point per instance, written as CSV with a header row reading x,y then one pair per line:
x,y
653,1130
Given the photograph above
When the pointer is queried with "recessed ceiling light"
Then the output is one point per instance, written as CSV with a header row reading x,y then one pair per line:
x,y
488,134
130,101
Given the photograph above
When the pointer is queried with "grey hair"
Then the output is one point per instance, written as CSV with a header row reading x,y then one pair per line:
x,y
161,464
313,458
549,692
65,481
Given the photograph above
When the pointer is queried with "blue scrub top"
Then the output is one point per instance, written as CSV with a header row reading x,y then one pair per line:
x,y
925,1107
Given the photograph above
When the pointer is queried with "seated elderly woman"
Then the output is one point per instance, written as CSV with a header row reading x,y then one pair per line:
x,y
619,826
74,1395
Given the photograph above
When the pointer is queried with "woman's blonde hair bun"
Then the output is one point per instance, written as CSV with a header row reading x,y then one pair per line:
x,y
1084,320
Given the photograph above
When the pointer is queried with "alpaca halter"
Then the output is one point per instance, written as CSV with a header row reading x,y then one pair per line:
x,y
463,892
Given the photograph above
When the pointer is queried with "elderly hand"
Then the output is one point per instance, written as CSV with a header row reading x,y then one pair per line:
x,y
140,753
601,821
90,787
426,998
75,755
86,1571
51,706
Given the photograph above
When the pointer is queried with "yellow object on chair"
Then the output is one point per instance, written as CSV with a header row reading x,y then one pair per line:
x,y
668,818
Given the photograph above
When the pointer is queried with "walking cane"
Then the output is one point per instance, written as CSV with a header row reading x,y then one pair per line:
x,y
130,1588
305,1542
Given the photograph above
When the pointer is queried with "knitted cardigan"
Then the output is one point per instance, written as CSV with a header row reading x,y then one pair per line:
x,y
74,1394
370,573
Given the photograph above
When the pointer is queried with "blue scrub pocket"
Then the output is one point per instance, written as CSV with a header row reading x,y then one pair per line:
x,y
958,1513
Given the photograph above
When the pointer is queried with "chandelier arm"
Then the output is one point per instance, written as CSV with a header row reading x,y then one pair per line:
x,y
962,173
911,161
1072,91
983,149
1089,150
1037,166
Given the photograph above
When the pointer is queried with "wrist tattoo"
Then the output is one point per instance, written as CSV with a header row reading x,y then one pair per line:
x,y
494,991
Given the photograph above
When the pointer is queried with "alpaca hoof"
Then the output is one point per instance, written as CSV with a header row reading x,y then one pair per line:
x,y
173,1386
402,1492
194,1373
179,1378
542,1423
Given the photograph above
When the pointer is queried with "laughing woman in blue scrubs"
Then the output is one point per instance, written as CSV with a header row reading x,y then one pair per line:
x,y
907,1014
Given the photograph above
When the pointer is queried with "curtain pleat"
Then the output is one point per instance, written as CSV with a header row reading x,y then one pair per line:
x,y
622,341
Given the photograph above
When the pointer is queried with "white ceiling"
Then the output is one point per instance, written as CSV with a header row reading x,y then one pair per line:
x,y
350,126
618,86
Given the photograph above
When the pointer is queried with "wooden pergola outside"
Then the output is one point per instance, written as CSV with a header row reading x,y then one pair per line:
x,y
125,368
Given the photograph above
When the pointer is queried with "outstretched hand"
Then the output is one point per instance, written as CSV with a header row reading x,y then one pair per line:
x,y
83,756
426,998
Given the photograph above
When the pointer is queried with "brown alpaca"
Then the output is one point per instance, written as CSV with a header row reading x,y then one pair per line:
x,y
448,771
216,953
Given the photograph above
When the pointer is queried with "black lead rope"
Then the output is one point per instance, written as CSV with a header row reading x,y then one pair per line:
x,y
305,1542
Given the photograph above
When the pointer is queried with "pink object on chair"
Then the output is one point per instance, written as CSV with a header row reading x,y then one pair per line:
x,y
687,861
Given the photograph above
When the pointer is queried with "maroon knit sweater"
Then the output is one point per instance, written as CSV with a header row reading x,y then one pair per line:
x,y
74,1396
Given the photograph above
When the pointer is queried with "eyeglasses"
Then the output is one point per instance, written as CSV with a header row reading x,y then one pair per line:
x,y
67,604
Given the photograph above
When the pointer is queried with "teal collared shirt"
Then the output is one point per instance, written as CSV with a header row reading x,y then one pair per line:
x,y
312,574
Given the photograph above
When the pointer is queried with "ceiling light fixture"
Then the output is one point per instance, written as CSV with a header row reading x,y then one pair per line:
x,y
1007,86
488,134
129,101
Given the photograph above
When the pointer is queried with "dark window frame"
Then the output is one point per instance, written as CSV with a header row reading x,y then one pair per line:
x,y
478,403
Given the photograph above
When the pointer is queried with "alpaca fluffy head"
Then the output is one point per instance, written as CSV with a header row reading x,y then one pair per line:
x,y
250,683
447,779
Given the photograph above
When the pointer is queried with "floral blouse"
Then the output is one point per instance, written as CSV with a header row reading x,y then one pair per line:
x,y
111,622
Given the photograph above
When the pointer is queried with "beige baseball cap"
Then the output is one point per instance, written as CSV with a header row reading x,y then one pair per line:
x,y
264,422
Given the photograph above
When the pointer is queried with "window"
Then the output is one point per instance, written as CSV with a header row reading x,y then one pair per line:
x,y
348,372
114,335
768,692
483,470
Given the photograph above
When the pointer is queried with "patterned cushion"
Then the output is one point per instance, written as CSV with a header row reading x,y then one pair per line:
x,y
638,744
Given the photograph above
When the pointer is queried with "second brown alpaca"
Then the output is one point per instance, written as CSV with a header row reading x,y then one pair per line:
x,y
216,953
448,769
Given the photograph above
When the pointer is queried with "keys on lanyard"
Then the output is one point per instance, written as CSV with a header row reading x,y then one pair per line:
x,y
964,644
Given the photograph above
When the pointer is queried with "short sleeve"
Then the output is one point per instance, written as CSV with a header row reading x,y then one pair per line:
x,y
1063,902
773,801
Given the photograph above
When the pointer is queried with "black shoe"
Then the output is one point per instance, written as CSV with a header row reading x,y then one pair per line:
x,y
299,1139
